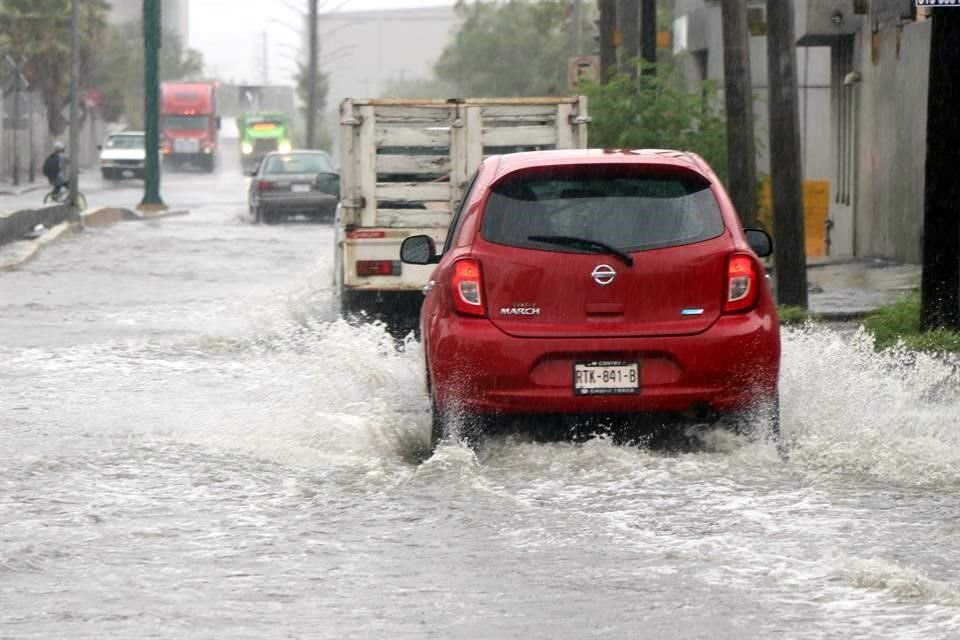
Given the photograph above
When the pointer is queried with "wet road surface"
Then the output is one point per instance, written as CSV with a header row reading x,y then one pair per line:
x,y
194,446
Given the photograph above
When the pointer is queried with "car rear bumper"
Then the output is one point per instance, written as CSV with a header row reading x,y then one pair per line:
x,y
309,203
732,365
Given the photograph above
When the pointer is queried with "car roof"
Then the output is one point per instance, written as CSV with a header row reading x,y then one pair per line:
x,y
510,162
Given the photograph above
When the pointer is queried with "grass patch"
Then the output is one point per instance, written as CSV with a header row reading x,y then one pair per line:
x,y
795,315
900,321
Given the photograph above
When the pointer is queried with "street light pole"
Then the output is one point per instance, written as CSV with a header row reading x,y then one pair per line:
x,y
312,79
151,100
74,97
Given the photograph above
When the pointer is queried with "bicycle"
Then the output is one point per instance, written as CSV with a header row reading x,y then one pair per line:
x,y
63,197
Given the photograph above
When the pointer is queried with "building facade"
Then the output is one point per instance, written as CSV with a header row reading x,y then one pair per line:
x,y
363,51
862,68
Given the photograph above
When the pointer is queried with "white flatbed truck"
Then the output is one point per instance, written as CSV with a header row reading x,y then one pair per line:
x,y
404,166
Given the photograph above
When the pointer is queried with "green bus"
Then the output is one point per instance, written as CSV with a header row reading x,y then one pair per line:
x,y
261,133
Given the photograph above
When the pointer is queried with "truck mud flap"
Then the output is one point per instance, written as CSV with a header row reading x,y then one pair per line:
x,y
398,310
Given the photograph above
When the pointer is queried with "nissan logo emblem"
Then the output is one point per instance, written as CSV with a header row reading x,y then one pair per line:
x,y
603,274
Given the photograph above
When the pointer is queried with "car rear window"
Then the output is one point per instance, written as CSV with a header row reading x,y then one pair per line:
x,y
128,141
299,163
628,208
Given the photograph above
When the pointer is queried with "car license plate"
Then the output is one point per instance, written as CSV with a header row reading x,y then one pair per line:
x,y
605,377
127,173
186,145
300,188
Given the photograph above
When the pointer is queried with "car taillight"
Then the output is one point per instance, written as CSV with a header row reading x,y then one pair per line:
x,y
742,283
378,267
266,185
467,287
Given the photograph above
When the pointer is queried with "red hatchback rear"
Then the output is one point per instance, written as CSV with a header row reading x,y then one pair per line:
x,y
592,282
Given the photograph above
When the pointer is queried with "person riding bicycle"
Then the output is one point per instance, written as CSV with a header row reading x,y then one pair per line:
x,y
55,168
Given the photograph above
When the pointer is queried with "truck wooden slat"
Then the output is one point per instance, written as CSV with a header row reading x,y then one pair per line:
x,y
522,113
413,191
438,137
413,218
526,136
439,115
413,165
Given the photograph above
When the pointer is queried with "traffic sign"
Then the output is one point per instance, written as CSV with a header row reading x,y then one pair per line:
x,y
582,68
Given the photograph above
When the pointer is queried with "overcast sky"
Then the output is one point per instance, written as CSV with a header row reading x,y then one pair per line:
x,y
229,33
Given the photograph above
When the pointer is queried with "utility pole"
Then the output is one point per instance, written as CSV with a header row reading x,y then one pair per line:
x,y
312,79
151,102
629,18
648,33
609,37
741,154
786,170
940,279
74,98
577,28
265,69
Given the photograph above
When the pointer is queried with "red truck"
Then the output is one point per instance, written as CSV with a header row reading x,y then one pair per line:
x,y
189,123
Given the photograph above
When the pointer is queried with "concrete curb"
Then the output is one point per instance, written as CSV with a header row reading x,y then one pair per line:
x,y
17,253
841,316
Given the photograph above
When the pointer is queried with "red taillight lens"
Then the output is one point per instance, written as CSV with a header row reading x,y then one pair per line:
x,y
468,288
378,267
266,185
742,283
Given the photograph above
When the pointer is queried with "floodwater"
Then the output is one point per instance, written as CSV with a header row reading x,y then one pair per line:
x,y
194,447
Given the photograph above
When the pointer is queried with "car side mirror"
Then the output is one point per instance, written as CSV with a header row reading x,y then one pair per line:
x,y
419,250
760,241
251,172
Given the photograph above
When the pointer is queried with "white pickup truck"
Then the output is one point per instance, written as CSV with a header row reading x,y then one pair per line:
x,y
404,166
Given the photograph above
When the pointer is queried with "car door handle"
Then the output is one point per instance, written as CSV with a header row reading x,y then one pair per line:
x,y
428,287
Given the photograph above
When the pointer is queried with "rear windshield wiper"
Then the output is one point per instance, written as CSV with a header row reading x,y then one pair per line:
x,y
586,244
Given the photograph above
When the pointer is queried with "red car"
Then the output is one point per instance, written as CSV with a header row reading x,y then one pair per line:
x,y
598,283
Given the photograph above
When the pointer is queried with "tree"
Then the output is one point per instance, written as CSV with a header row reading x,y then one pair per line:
x,y
741,157
322,136
119,69
39,30
416,88
657,111
940,281
513,48
786,169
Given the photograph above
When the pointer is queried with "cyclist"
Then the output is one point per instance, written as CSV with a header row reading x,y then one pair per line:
x,y
55,168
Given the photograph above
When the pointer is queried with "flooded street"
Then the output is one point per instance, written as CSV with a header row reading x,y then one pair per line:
x,y
194,447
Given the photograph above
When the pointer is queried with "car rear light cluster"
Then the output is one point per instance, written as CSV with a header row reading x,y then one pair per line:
x,y
378,267
468,287
266,185
742,283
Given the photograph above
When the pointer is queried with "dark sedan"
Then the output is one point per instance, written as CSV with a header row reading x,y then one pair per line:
x,y
296,183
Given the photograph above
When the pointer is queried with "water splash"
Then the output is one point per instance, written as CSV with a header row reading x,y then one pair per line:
x,y
850,410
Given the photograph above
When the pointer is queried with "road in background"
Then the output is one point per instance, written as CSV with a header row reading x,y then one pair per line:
x,y
194,446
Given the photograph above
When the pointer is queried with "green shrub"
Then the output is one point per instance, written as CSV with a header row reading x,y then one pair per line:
x,y
900,321
795,315
658,111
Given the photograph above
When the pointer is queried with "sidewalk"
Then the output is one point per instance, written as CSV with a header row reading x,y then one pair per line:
x,y
7,188
849,289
